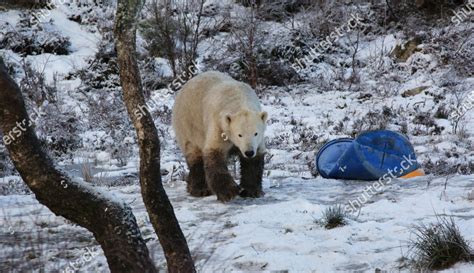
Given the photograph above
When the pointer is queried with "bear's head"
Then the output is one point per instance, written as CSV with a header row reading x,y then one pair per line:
x,y
245,129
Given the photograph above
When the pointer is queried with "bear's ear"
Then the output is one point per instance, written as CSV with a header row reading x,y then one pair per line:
x,y
264,116
226,119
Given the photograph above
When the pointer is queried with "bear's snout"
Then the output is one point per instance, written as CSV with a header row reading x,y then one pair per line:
x,y
250,153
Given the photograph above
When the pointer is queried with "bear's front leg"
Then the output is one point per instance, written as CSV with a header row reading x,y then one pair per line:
x,y
218,177
251,172
196,179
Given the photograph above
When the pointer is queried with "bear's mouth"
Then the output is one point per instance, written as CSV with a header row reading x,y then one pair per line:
x,y
237,151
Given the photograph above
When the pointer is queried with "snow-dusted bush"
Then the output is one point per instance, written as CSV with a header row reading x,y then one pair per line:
x,y
106,109
428,123
58,128
373,120
320,19
97,15
36,43
55,125
430,7
279,10
34,87
33,39
107,112
454,48
102,73
444,166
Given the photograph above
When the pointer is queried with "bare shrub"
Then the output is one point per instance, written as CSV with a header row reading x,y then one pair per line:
x,y
122,153
439,246
174,30
444,167
56,126
322,17
334,216
431,8
35,88
58,129
442,112
278,10
246,41
106,112
250,56
462,105
452,47
373,120
306,138
87,173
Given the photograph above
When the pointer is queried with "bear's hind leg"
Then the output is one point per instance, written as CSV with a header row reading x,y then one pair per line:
x,y
218,177
196,180
251,172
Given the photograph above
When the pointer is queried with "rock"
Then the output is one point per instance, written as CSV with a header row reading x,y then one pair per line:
x,y
414,91
402,52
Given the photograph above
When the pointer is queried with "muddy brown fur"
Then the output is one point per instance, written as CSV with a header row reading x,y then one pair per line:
x,y
218,177
251,173
196,179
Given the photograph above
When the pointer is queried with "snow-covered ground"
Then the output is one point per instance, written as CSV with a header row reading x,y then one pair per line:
x,y
278,232
282,230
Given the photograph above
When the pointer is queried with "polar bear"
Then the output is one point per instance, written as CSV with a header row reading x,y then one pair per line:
x,y
215,116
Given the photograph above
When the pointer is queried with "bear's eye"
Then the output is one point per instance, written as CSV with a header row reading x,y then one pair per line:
x,y
256,134
240,135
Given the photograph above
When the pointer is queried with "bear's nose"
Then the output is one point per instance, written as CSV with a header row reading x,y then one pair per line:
x,y
249,153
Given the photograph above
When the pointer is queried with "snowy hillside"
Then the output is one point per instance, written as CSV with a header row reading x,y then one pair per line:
x,y
371,77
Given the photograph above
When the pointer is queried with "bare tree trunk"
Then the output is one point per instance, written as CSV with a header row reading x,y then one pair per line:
x,y
112,222
159,208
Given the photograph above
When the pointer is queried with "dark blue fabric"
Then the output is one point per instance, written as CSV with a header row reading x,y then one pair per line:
x,y
370,156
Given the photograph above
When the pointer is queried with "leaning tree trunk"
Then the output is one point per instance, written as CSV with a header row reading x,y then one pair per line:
x,y
112,222
154,196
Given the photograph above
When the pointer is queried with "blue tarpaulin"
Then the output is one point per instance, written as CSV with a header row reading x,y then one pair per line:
x,y
370,156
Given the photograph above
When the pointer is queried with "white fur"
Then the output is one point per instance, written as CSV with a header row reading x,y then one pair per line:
x,y
211,104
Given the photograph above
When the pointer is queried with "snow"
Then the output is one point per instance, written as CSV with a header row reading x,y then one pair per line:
x,y
282,230
103,157
380,46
